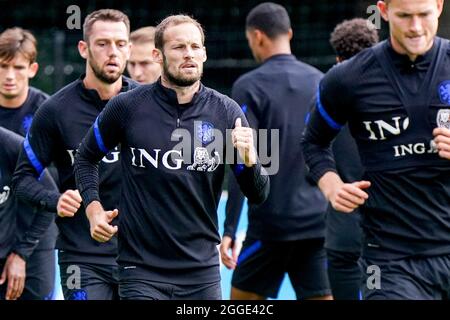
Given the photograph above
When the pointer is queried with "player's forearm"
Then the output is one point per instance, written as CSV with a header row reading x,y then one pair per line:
x,y
316,145
328,183
27,243
233,207
27,188
254,183
86,176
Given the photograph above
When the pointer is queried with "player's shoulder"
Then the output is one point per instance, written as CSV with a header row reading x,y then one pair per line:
x,y
10,140
352,68
218,100
63,97
37,96
134,92
307,70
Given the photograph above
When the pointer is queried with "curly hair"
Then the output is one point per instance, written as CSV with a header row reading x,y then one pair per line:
x,y
352,36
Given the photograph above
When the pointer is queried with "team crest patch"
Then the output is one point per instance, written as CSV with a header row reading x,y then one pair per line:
x,y
204,132
202,161
4,195
443,118
26,122
444,92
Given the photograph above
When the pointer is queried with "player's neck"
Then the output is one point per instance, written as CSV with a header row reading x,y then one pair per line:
x,y
105,90
279,48
15,102
184,94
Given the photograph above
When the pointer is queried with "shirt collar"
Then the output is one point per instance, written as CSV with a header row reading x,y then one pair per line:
x,y
170,96
404,64
92,95
280,57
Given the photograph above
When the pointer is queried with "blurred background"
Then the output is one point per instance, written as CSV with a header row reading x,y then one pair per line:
x,y
228,53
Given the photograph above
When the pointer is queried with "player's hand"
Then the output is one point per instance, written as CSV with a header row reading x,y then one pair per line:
x,y
442,141
68,203
100,222
344,197
242,138
14,272
349,196
227,244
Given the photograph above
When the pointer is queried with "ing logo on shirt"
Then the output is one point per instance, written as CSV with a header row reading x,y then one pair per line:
x,y
202,161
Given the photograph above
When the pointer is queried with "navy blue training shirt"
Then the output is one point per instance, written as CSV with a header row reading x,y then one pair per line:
x,y
24,228
168,206
343,231
279,94
392,106
19,119
55,134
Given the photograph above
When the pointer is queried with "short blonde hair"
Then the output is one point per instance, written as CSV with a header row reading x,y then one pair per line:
x,y
143,35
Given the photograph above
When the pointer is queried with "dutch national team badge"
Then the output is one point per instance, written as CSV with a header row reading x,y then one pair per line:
x,y
204,131
444,92
443,118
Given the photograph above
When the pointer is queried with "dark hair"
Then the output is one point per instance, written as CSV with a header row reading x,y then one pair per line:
x,y
103,15
17,40
270,18
174,20
143,35
352,36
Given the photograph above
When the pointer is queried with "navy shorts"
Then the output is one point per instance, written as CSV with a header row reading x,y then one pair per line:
x,y
262,266
137,286
344,274
87,281
40,276
424,278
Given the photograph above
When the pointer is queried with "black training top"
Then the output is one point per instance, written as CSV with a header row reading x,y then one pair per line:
x,y
19,119
343,230
55,134
392,106
279,95
23,228
172,160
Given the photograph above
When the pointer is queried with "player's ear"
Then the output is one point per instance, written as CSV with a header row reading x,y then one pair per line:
x,y
290,34
383,8
259,36
440,4
205,57
33,69
83,49
157,56
128,54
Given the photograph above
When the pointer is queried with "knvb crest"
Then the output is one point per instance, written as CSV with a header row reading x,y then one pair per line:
x,y
444,92
204,132
443,118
